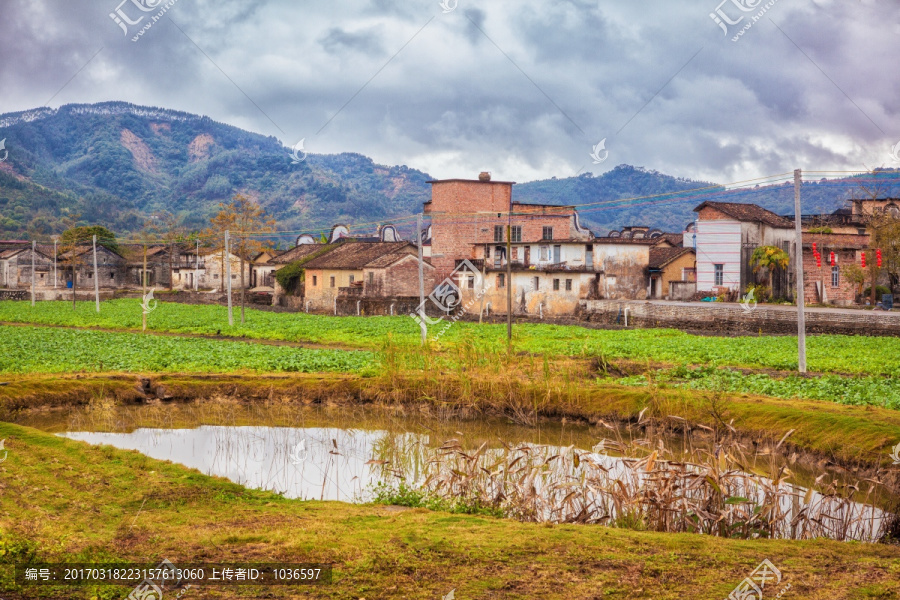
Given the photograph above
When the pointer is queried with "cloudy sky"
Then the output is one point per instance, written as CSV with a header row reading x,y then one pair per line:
x,y
522,88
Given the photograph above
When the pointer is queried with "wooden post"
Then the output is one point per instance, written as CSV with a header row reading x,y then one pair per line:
x,y
509,301
228,279
55,280
798,270
96,277
197,269
33,251
422,326
144,291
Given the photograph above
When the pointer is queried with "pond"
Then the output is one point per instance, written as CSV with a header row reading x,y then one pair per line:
x,y
553,471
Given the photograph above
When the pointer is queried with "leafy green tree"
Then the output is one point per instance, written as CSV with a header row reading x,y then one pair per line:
x,y
769,258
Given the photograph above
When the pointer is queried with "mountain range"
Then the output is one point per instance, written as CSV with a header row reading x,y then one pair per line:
x,y
119,164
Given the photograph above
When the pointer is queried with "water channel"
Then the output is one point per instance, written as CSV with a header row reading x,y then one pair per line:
x,y
341,453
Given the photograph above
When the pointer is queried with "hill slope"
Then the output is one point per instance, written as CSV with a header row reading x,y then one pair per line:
x,y
117,164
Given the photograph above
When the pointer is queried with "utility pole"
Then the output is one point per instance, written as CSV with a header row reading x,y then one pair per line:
x,y
509,301
798,270
55,240
33,250
197,268
421,279
144,290
96,277
228,279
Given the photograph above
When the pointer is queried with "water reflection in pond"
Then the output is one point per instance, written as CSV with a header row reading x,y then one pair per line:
x,y
338,454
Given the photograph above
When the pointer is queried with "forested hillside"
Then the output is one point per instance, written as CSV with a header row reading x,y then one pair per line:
x,y
118,164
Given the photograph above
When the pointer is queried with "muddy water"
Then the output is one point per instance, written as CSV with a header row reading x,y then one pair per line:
x,y
340,453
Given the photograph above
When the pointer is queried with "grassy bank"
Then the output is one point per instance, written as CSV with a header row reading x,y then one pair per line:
x,y
144,510
826,353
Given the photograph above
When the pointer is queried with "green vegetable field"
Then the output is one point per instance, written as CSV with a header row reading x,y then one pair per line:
x,y
54,350
826,353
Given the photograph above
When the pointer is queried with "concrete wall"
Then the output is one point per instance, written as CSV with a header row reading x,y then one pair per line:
x,y
732,318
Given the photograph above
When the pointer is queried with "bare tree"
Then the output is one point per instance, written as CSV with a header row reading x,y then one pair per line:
x,y
245,219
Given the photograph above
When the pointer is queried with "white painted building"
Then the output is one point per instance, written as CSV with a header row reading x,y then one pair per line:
x,y
727,233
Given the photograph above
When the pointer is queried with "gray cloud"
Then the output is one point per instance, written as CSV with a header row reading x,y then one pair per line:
x,y
449,102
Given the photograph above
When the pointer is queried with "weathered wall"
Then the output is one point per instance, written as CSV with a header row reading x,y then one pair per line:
x,y
529,299
732,318
399,279
321,293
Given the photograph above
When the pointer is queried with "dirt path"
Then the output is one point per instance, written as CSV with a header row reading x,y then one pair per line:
x,y
265,342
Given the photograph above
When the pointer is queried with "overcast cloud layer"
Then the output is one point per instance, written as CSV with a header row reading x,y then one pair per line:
x,y
522,88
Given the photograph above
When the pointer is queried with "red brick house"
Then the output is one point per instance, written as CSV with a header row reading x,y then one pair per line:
x,y
469,212
828,284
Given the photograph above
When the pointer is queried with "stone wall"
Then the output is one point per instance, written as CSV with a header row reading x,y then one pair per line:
x,y
722,318
402,305
14,295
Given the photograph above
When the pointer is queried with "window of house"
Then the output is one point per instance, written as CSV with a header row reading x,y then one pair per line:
x,y
315,280
233,276
557,254
501,280
545,252
471,281
536,282
589,255
719,274
548,233
90,275
351,279
568,285
332,281
371,277
516,233
216,276
498,233
556,285
487,251
835,276
111,275
499,252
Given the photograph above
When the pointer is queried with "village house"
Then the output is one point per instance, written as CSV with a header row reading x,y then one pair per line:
x,y
214,273
305,250
672,265
555,262
15,266
469,213
825,279
727,233
389,269
112,268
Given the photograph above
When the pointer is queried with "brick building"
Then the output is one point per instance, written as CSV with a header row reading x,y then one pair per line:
x,y
828,284
466,213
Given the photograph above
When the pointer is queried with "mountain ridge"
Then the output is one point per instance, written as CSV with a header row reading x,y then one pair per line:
x,y
118,164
